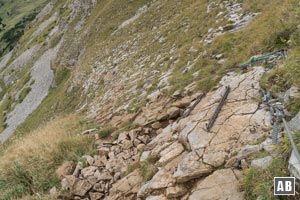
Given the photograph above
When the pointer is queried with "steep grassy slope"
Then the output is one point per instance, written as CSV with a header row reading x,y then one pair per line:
x,y
15,16
107,66
24,173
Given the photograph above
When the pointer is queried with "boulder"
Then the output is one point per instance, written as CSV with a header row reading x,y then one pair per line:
x,y
199,138
156,125
78,167
176,191
191,167
141,147
144,138
162,179
104,176
170,152
159,148
128,184
127,144
53,192
100,162
160,197
215,159
294,123
88,171
92,180
176,94
89,159
68,182
145,155
81,188
99,187
290,94
183,135
221,185
262,162
245,152
173,112
133,134
96,195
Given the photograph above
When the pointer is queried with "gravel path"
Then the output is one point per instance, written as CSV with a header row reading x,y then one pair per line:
x,y
43,76
10,73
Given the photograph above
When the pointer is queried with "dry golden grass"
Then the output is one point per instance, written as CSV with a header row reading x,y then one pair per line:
x,y
27,166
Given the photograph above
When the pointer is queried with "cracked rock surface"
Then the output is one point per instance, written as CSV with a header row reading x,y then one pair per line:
x,y
188,161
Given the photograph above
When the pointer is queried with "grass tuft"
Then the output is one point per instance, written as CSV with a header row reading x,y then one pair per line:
x,y
148,169
106,131
28,165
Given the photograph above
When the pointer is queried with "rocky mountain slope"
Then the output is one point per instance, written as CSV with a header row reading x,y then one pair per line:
x,y
111,100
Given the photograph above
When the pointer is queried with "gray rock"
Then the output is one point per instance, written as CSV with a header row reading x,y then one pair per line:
x,y
294,124
221,185
176,191
162,179
294,166
78,167
141,147
68,182
170,152
219,56
104,176
160,197
90,160
262,162
99,187
96,195
81,187
199,138
53,191
191,167
291,93
145,155
156,125
89,171
174,112
176,94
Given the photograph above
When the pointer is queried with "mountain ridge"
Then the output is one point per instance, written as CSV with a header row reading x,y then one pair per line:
x,y
120,74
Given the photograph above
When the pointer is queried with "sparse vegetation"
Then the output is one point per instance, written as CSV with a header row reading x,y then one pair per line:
x,y
24,172
125,126
136,105
23,94
106,131
148,169
258,183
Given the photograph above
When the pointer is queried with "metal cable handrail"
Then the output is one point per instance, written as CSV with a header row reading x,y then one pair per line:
x,y
287,128
265,58
276,110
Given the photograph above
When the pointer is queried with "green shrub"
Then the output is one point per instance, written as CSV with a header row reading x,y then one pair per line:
x,y
106,131
276,80
206,84
148,169
294,106
258,183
